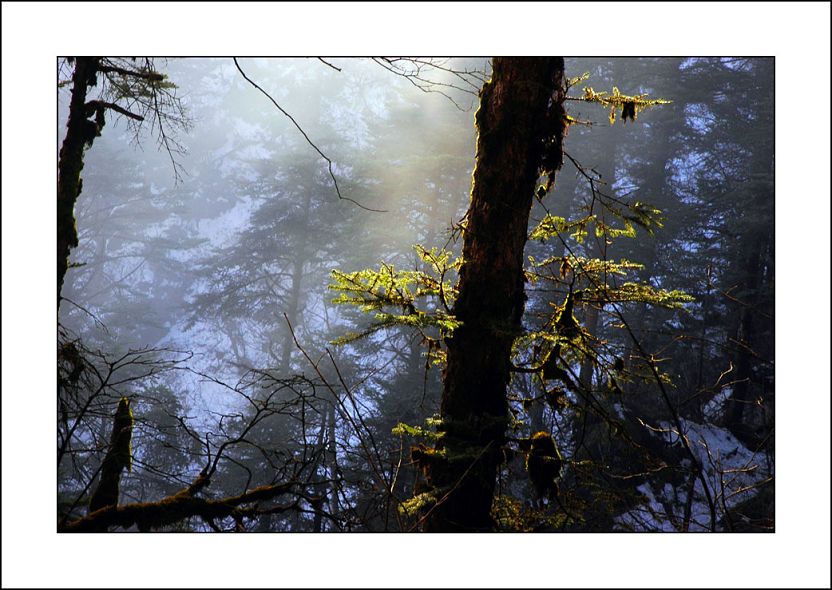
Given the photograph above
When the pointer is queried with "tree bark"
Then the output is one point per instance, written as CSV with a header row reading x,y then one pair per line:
x,y
80,132
519,109
117,458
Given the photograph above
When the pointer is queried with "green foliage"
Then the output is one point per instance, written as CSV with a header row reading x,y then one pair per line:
x,y
641,214
596,272
602,229
425,433
387,288
512,515
419,503
425,458
594,267
570,82
560,343
630,106
637,292
552,225
145,83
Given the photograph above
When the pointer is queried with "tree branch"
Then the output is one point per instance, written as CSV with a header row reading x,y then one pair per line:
x,y
96,104
323,61
309,141
182,505
150,75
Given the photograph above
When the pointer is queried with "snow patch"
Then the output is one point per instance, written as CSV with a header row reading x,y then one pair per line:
x,y
731,471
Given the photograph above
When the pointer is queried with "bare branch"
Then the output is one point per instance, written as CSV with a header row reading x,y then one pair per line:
x,y
141,93
309,141
95,104
323,61
420,71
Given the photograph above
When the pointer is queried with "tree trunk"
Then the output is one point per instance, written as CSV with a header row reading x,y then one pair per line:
x,y
752,290
517,106
293,303
80,132
117,459
745,339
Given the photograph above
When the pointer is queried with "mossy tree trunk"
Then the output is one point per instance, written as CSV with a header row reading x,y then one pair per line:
x,y
85,122
116,460
517,107
80,132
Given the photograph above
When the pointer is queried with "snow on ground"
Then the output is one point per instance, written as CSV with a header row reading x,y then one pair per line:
x,y
730,469
714,409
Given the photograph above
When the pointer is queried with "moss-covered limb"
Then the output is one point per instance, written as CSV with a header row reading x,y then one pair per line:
x,y
117,459
630,106
543,464
80,133
149,75
182,505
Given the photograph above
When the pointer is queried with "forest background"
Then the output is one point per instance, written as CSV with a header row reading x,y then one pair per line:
x,y
27,336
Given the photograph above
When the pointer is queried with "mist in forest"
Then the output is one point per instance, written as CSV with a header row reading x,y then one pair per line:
x,y
202,290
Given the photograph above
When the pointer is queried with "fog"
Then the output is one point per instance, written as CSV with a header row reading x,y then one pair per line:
x,y
206,250
153,233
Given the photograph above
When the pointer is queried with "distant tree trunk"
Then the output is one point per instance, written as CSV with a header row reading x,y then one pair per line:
x,y
293,302
752,286
292,312
331,460
589,419
517,106
319,490
744,338
80,132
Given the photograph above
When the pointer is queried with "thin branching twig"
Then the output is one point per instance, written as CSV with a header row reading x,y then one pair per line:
x,y
308,140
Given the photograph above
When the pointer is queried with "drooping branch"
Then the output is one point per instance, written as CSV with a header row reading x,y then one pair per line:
x,y
148,94
422,73
137,93
308,140
323,61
